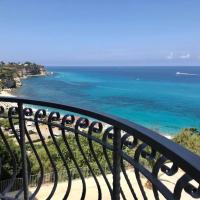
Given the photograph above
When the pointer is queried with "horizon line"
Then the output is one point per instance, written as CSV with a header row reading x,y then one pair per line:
x,y
122,65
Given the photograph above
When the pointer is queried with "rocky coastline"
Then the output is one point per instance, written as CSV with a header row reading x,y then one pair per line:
x,y
11,74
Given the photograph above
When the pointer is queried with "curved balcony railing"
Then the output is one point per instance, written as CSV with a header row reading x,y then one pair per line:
x,y
122,159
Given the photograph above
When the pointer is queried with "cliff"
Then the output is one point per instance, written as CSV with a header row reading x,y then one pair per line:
x,y
12,73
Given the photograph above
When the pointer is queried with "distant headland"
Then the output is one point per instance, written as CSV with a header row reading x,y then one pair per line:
x,y
11,73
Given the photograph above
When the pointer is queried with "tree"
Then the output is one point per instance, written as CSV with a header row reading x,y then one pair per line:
x,y
2,64
7,161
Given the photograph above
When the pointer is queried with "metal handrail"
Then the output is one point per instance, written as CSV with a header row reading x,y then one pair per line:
x,y
182,158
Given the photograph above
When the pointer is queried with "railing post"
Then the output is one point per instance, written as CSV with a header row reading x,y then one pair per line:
x,y
23,150
116,163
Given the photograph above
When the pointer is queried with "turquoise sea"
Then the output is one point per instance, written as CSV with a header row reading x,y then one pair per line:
x,y
165,99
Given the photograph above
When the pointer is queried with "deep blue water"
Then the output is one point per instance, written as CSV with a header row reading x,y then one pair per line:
x,y
155,97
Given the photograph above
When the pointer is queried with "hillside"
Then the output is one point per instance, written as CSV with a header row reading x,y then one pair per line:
x,y
11,73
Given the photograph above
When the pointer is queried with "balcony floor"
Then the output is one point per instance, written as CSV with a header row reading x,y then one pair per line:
x,y
92,192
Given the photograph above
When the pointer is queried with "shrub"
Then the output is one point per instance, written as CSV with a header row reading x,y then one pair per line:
x,y
190,139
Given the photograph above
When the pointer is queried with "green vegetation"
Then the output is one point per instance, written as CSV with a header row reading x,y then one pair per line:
x,y
190,139
6,125
76,152
6,159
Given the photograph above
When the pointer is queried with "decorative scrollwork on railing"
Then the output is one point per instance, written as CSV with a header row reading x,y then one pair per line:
x,y
82,143
184,183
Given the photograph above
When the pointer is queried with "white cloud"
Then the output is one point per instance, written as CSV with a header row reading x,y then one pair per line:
x,y
185,56
178,55
170,56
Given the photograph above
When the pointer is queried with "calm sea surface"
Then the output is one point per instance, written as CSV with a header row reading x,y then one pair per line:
x,y
156,97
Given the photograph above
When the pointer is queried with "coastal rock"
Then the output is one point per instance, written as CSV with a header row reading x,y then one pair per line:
x,y
9,83
18,82
12,73
32,70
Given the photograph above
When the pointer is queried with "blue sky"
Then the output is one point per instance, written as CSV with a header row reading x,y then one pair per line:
x,y
101,32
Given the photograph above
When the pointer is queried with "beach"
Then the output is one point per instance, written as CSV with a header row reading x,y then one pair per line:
x,y
6,93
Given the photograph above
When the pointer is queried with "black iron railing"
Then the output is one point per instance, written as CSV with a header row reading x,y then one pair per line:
x,y
133,156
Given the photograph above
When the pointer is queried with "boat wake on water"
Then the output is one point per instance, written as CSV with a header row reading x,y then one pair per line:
x,y
185,74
